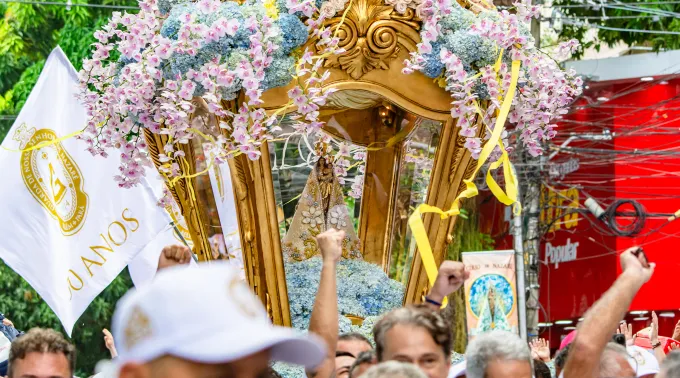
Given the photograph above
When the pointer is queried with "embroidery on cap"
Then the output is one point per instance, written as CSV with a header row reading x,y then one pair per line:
x,y
242,297
138,328
637,356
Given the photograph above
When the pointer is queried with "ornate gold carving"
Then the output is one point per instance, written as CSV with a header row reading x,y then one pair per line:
x,y
353,99
355,319
459,148
184,192
372,35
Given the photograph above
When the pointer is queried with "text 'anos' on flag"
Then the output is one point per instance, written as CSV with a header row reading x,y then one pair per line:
x,y
68,228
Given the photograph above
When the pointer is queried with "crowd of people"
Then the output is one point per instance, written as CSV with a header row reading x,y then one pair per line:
x,y
204,322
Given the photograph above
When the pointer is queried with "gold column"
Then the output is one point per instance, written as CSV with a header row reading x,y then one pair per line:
x,y
185,193
452,164
259,229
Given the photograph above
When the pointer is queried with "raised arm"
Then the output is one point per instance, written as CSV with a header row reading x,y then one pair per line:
x,y
604,317
451,276
324,319
654,339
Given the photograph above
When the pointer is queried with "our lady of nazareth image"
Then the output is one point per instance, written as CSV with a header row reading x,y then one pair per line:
x,y
492,300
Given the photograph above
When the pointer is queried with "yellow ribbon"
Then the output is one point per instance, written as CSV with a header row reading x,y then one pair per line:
x,y
507,197
46,143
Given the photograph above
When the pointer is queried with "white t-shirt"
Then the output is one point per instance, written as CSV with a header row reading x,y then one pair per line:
x,y
5,345
457,370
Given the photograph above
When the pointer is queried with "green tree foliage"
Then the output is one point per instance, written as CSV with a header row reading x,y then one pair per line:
x,y
575,15
28,33
26,309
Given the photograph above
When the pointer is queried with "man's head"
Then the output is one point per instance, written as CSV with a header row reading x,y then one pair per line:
x,y
41,353
498,354
363,362
394,369
343,364
353,343
614,362
671,366
166,329
417,335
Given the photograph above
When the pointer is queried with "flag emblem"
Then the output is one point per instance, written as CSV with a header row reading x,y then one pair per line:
x,y
53,178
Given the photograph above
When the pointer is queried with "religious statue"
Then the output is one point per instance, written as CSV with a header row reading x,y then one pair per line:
x,y
321,207
492,314
326,177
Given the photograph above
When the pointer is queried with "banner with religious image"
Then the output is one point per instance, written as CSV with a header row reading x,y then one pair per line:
x,y
490,292
69,228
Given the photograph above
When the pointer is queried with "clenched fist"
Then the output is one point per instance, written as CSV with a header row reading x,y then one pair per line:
x,y
451,276
174,255
330,244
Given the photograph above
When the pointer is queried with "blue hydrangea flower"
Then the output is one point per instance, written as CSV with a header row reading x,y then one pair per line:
x,y
433,65
482,91
293,31
164,6
279,73
473,50
363,289
459,19
289,371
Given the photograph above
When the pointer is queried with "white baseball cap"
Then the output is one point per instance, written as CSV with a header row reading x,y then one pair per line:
x,y
206,314
643,361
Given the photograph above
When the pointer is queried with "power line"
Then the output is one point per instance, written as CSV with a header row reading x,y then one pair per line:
x,y
604,18
638,3
598,26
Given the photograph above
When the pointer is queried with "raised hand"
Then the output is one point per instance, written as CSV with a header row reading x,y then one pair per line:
x,y
110,343
330,244
676,332
636,265
174,255
540,350
654,332
627,331
451,276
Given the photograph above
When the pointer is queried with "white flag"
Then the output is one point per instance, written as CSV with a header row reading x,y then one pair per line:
x,y
229,242
69,229
143,267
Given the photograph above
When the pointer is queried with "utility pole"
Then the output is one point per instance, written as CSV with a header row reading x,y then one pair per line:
x,y
532,238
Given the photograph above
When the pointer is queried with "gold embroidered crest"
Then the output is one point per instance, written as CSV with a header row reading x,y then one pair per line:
x,y
180,225
138,328
53,178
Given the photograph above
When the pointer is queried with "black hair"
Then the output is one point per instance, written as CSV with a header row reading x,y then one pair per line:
x,y
541,370
367,357
561,357
619,339
354,336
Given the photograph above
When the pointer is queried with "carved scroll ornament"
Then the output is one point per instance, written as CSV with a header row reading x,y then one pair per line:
x,y
372,35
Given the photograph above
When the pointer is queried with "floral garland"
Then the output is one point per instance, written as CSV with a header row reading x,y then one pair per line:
x,y
147,69
460,49
364,289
